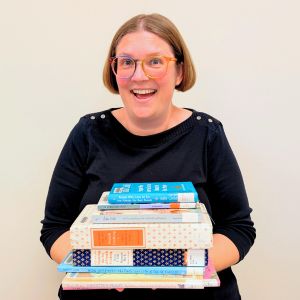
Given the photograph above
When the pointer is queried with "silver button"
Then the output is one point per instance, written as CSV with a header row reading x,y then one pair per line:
x,y
93,117
210,120
198,118
102,116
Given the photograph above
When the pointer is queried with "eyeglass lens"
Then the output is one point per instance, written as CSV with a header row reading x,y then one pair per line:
x,y
154,66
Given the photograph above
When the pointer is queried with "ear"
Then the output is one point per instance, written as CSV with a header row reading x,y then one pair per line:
x,y
179,73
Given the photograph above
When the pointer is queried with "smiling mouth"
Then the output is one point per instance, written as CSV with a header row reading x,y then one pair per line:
x,y
143,93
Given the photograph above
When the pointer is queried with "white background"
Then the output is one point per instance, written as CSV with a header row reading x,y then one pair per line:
x,y
247,58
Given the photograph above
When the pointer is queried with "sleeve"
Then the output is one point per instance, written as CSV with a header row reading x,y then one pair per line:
x,y
66,188
227,194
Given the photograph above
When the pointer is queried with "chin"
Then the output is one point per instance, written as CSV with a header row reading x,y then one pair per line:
x,y
142,110
143,113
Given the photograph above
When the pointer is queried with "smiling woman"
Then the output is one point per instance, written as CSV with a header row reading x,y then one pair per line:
x,y
148,107
149,139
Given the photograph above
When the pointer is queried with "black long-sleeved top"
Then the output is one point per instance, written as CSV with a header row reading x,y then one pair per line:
x,y
100,151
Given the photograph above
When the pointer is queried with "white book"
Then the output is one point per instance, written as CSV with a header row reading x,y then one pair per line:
x,y
84,234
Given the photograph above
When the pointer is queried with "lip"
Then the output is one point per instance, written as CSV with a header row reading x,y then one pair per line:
x,y
142,89
143,96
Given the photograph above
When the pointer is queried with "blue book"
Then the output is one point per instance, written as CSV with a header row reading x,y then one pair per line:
x,y
153,192
141,257
67,266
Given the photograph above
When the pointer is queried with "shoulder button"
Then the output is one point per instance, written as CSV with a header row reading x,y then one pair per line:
x,y
210,120
198,118
92,117
102,116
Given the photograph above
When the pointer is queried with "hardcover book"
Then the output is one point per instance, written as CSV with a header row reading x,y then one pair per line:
x,y
79,281
151,192
104,205
74,281
140,257
176,215
84,234
67,266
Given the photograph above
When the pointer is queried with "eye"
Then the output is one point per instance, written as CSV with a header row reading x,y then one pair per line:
x,y
155,61
125,62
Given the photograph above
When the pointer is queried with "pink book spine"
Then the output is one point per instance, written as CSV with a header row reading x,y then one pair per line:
x,y
115,285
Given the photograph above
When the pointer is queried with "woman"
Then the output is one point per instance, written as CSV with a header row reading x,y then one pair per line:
x,y
150,139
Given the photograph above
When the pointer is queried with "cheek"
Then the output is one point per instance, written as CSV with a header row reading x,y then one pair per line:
x,y
122,83
170,80
167,85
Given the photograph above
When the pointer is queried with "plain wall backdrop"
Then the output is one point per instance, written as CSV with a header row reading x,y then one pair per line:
x,y
246,55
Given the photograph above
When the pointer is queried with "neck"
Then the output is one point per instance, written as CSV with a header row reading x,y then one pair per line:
x,y
144,127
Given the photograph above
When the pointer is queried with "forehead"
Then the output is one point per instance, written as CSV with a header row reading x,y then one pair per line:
x,y
143,43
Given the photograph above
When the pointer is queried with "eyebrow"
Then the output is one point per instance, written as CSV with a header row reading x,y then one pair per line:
x,y
150,54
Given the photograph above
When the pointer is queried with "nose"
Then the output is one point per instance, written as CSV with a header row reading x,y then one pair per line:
x,y
139,74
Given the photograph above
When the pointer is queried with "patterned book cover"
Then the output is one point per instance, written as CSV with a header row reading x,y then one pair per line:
x,y
86,235
149,192
140,257
104,205
67,266
176,215
78,281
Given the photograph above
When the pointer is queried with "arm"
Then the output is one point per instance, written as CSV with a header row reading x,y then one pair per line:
x,y
61,247
224,253
67,186
234,232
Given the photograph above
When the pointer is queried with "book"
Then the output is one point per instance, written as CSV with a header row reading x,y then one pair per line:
x,y
104,205
67,266
84,234
74,281
152,192
80,281
176,215
140,257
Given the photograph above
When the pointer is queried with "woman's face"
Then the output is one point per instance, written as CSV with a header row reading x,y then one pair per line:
x,y
143,97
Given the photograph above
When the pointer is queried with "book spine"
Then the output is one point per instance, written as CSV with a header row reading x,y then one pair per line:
x,y
152,198
126,285
143,235
140,257
213,282
134,270
107,281
173,205
184,217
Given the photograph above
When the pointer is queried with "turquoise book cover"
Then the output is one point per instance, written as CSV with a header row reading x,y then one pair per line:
x,y
153,192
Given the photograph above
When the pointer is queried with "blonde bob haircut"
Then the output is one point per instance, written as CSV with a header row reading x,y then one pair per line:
x,y
165,29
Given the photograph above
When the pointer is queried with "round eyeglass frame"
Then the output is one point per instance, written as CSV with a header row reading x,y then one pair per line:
x,y
114,58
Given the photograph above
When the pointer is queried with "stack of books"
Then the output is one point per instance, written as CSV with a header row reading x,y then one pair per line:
x,y
141,235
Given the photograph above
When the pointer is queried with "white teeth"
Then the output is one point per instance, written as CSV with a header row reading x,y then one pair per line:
x,y
143,92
